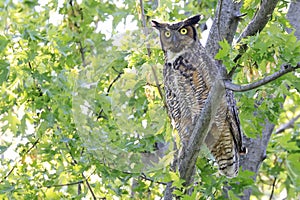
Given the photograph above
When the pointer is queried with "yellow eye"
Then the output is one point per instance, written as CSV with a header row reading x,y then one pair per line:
x,y
167,34
183,31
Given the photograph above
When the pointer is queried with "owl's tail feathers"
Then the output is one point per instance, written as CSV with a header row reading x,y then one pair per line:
x,y
227,156
229,166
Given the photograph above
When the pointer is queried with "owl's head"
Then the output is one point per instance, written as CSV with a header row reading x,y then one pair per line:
x,y
177,36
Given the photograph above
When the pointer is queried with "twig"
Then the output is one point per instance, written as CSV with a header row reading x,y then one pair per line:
x,y
143,176
89,186
74,162
287,125
113,82
144,25
13,168
275,179
82,51
66,184
286,68
150,84
273,188
149,52
81,47
99,115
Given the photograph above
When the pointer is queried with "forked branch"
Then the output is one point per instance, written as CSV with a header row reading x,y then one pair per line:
x,y
286,68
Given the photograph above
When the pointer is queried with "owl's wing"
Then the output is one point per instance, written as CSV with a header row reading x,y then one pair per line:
x,y
234,122
225,137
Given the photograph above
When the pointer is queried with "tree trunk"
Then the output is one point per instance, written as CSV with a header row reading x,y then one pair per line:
x,y
294,17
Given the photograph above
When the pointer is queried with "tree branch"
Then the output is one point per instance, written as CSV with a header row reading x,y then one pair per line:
x,y
224,25
189,155
143,18
99,115
286,68
82,53
287,125
74,162
273,188
89,186
66,184
143,176
260,20
256,25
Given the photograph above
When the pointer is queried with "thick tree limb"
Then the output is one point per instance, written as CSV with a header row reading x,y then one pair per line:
x,y
188,157
286,68
224,25
294,17
288,125
260,20
256,25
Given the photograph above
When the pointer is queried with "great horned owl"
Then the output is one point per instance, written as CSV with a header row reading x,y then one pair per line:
x,y
189,74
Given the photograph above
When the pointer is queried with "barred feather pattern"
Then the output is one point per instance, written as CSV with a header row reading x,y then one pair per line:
x,y
187,85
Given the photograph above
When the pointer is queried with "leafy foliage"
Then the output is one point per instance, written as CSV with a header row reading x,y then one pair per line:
x,y
82,112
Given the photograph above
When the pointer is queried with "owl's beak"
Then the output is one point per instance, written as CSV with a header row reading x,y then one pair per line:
x,y
175,41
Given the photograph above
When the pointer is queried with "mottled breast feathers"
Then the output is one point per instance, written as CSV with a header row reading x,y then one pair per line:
x,y
189,74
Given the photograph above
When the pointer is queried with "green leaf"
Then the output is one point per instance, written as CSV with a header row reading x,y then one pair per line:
x,y
3,148
232,196
6,188
3,42
4,71
224,50
13,121
293,166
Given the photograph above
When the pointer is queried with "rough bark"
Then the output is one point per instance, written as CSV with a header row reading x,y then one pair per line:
x,y
294,17
224,25
260,19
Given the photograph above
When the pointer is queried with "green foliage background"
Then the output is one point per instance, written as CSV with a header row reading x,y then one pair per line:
x,y
80,112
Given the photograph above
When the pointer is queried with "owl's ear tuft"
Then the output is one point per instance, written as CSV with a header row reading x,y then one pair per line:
x,y
192,20
157,25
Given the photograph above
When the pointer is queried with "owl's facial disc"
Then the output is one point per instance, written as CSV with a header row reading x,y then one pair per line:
x,y
178,39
